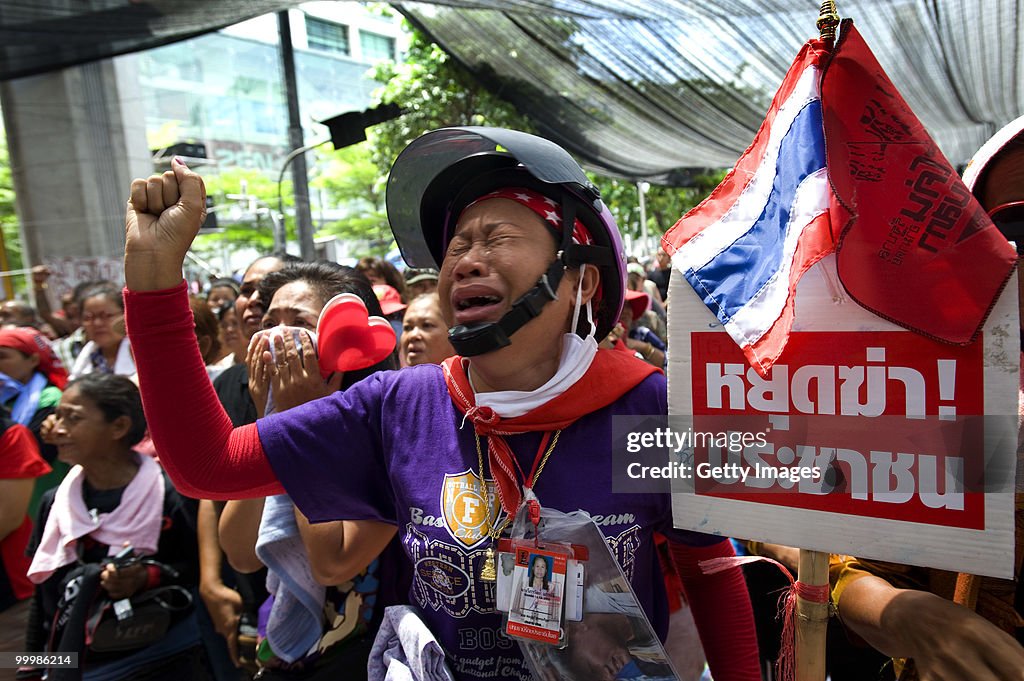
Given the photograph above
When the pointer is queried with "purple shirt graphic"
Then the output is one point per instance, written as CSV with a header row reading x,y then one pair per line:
x,y
394,448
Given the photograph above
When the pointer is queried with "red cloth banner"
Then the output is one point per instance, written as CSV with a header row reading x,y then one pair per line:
x,y
913,245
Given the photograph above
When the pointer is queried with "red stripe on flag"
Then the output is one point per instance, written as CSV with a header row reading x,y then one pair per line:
x,y
815,243
712,208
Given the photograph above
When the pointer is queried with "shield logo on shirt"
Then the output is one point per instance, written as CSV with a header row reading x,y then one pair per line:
x,y
469,506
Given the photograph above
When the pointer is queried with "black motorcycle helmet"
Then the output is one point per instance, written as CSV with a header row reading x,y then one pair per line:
x,y
443,171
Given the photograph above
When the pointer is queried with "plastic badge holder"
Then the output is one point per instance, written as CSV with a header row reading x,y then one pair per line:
x,y
538,591
574,571
348,338
614,631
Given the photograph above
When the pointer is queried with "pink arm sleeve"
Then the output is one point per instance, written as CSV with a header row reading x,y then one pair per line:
x,y
721,608
204,456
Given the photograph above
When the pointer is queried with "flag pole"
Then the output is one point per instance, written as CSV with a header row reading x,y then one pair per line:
x,y
811,616
812,575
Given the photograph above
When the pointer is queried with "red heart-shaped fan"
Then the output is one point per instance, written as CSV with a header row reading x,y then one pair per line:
x,y
348,338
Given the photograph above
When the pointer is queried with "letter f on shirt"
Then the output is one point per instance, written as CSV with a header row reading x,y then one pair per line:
x,y
469,505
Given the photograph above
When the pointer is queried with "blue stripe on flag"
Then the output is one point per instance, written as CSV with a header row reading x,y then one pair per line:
x,y
732,278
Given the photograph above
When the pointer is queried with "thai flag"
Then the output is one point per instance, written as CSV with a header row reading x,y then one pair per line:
x,y
744,248
912,244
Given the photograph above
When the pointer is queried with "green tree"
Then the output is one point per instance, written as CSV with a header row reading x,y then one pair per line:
x,y
349,180
345,181
9,219
664,205
434,91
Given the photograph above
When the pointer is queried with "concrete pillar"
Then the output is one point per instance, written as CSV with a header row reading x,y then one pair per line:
x,y
76,137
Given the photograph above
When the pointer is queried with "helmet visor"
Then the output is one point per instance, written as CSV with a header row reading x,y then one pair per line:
x,y
434,154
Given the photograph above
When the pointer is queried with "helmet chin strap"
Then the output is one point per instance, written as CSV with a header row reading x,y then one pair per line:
x,y
470,340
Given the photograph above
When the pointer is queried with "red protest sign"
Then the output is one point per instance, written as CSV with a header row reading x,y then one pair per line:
x,y
913,441
892,412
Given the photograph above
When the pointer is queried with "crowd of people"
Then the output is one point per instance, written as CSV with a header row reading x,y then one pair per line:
x,y
187,495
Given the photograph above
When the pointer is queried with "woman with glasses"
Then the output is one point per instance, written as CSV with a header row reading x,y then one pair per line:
x,y
108,350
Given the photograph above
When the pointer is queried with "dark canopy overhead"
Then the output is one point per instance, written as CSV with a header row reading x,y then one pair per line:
x,y
636,89
642,89
42,35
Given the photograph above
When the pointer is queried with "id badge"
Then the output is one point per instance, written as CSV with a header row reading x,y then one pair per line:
x,y
538,592
614,630
574,580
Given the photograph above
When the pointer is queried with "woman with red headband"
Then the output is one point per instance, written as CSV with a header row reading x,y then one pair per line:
x,y
532,273
32,376
31,380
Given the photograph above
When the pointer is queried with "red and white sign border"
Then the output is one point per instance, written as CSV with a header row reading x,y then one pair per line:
x,y
822,305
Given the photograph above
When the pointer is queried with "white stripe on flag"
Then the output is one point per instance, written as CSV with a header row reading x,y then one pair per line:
x,y
749,205
755,318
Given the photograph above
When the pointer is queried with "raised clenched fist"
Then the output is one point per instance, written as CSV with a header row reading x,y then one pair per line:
x,y
163,217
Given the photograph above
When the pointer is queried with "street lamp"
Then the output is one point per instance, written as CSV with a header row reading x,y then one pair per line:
x,y
279,248
346,129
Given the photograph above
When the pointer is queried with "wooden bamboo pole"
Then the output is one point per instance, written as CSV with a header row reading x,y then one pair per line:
x,y
811,618
812,615
812,588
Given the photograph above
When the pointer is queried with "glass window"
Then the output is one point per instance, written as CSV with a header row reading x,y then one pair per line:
x,y
376,46
327,35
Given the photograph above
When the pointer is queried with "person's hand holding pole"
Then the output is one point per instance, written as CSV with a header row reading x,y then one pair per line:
x,y
164,215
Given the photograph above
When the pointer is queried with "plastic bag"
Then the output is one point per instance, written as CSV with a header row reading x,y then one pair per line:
x,y
614,638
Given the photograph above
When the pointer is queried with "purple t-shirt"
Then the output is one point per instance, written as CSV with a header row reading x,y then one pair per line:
x,y
394,448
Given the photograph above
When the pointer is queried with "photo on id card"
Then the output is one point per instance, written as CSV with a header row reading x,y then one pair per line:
x,y
538,587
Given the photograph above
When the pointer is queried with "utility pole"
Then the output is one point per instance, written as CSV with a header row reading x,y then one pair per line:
x,y
641,190
300,180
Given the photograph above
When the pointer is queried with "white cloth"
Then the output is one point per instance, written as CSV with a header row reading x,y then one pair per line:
x,y
217,368
225,363
124,364
138,520
577,356
295,625
406,650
